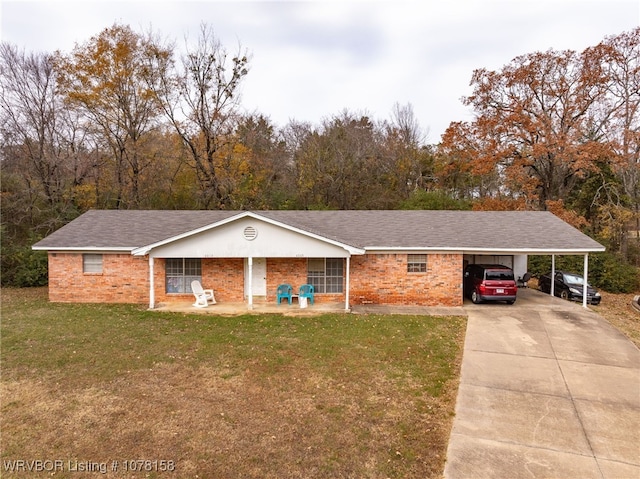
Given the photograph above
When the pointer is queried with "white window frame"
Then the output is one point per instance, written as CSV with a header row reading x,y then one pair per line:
x,y
178,280
416,263
323,276
92,263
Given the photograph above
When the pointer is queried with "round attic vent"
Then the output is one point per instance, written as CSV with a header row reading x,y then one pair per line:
x,y
250,233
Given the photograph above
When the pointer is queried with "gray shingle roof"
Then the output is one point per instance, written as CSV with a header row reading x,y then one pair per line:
x,y
371,229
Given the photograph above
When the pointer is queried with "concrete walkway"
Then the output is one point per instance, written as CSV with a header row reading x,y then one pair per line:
x,y
548,389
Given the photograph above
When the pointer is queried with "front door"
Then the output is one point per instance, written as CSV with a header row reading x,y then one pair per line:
x,y
258,277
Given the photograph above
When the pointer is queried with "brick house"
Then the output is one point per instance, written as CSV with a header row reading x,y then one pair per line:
x,y
355,257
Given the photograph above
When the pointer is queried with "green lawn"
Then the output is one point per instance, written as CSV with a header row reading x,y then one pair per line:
x,y
336,395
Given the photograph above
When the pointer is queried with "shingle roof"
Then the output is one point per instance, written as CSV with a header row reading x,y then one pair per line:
x,y
370,229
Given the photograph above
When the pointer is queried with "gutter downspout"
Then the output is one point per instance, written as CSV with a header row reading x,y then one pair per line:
x,y
152,296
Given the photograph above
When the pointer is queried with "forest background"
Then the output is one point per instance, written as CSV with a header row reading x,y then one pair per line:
x,y
127,121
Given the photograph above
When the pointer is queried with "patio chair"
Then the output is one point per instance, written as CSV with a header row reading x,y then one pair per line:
x,y
285,291
306,291
204,297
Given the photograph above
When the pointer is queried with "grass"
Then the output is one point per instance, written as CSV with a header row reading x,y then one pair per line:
x,y
268,396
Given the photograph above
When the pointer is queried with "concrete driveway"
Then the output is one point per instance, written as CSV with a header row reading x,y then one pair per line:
x,y
548,389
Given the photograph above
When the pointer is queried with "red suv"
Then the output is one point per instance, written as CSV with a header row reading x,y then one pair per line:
x,y
489,282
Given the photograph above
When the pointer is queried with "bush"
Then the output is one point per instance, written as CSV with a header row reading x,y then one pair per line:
x,y
23,267
607,271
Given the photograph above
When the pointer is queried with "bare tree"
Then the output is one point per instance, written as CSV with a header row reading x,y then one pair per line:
x,y
200,97
43,147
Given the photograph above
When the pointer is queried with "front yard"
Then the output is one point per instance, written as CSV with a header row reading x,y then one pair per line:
x,y
338,395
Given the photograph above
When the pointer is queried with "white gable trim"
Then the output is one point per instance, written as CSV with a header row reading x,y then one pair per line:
x,y
144,250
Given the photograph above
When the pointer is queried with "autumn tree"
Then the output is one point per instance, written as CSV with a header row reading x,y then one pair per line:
x,y
532,119
104,79
617,123
466,166
199,94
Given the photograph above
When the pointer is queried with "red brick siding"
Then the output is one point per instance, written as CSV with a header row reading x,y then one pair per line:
x,y
383,279
294,272
380,279
224,275
124,279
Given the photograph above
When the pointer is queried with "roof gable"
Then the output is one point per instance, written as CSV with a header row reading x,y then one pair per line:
x,y
232,246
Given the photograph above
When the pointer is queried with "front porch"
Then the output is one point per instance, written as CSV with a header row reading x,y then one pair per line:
x,y
263,307
259,307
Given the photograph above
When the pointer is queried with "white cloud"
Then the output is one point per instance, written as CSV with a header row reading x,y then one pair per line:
x,y
313,59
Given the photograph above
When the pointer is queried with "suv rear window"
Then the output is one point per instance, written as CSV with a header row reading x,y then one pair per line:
x,y
497,275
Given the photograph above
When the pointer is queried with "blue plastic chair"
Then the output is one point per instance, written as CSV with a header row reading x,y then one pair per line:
x,y
284,292
306,291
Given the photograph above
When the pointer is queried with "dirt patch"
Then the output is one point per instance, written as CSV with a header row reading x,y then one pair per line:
x,y
617,309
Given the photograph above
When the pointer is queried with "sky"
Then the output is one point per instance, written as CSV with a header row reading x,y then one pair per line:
x,y
313,60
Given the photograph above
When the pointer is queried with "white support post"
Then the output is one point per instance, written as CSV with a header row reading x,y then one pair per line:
x,y
152,296
553,275
250,264
346,296
585,276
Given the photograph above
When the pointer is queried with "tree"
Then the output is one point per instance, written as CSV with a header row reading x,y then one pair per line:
x,y
339,166
407,163
617,122
104,78
200,98
533,119
44,154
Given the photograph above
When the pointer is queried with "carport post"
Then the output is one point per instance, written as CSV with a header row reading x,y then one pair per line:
x,y
584,286
553,275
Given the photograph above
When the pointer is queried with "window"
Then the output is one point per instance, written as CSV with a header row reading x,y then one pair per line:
x,y
179,272
92,263
417,263
326,274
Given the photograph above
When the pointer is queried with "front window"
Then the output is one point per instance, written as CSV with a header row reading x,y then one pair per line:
x,y
92,263
417,263
179,272
326,274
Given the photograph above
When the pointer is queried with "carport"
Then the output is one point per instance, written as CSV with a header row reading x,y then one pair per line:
x,y
516,258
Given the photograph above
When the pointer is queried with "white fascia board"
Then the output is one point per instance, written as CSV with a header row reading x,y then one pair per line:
x,y
144,250
395,249
84,249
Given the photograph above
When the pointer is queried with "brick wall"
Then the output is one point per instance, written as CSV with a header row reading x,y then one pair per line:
x,y
124,279
224,275
294,272
378,279
383,279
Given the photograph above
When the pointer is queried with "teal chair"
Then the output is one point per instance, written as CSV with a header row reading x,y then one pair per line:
x,y
306,291
284,292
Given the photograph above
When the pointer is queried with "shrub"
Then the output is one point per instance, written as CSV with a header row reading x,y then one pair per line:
x,y
607,271
23,267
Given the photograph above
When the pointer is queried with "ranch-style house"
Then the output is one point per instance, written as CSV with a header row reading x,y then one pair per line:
x,y
395,257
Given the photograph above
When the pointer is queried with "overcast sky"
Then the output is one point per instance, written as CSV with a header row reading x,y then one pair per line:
x,y
311,60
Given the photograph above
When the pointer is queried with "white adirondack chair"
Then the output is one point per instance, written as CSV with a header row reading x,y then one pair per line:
x,y
204,297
